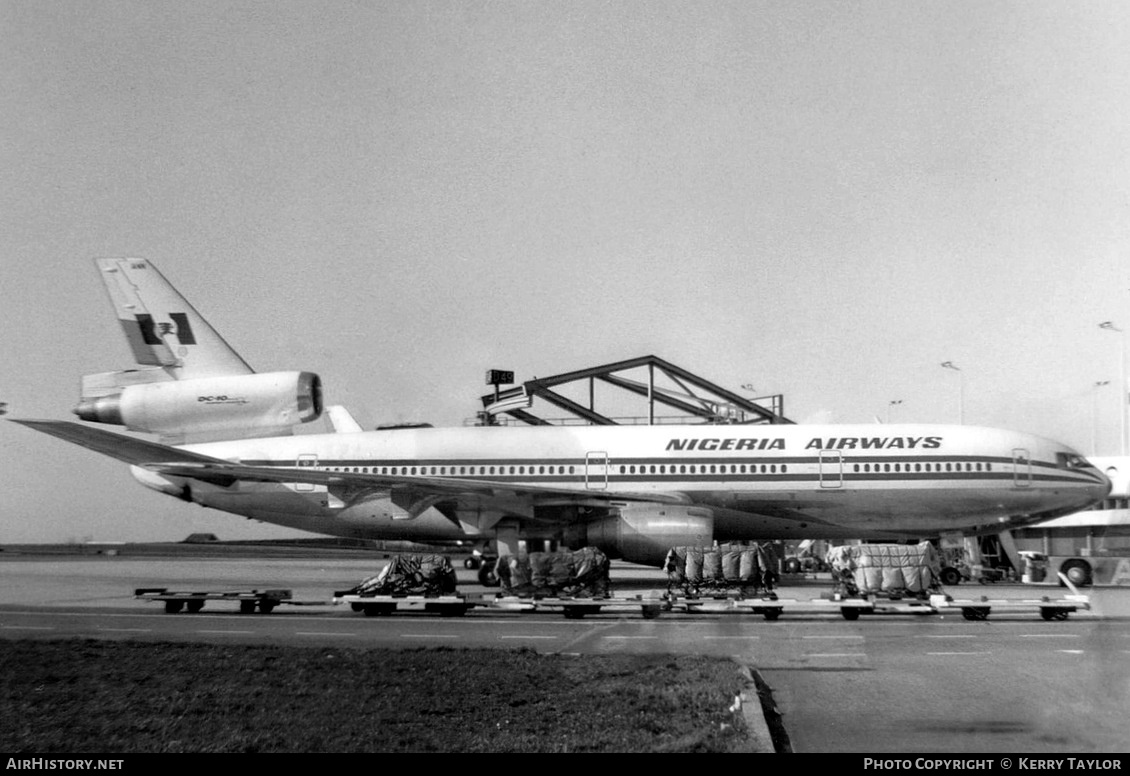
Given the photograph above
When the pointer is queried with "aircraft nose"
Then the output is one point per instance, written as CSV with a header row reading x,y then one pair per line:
x,y
1102,488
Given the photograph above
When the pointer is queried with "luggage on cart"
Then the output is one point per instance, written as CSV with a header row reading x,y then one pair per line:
x,y
749,569
411,575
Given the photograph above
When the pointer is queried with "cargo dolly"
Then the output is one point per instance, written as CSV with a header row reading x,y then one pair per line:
x,y
250,601
458,605
851,607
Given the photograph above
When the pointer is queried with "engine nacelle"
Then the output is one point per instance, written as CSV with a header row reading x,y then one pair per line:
x,y
643,533
235,406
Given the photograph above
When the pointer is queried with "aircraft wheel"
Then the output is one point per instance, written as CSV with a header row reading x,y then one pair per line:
x,y
487,576
1078,572
951,576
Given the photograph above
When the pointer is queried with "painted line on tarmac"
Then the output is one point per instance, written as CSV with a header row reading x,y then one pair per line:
x,y
725,638
125,630
954,636
228,632
27,627
1048,636
430,636
323,633
836,654
633,638
956,654
836,638
543,638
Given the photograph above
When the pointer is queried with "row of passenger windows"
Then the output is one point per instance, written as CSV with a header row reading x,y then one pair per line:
x,y
704,469
924,467
462,471
453,471
457,471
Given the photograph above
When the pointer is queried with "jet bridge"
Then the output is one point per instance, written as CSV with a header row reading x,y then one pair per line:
x,y
639,391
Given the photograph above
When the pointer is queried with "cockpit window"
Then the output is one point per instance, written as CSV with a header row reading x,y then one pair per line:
x,y
1072,461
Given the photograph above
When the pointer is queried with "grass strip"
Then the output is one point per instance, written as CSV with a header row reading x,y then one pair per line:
x,y
130,697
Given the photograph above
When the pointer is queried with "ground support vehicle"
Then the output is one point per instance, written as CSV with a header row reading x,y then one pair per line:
x,y
250,601
851,607
648,606
979,609
573,608
451,605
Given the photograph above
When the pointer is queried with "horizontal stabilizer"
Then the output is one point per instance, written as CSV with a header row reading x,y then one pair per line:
x,y
123,448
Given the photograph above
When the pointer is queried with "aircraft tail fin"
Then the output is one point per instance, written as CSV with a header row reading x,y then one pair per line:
x,y
162,329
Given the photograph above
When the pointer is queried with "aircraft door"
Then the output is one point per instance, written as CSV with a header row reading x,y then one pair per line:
x,y
1021,468
596,471
306,460
831,469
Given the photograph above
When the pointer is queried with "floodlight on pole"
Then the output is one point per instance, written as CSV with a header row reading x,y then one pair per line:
x,y
960,389
1122,395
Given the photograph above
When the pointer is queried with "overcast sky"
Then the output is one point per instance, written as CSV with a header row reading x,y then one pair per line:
x,y
823,199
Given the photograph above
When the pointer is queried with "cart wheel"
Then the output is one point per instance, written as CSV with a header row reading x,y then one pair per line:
x,y
172,607
266,606
850,612
975,613
951,576
1054,613
246,607
771,612
194,606
1078,572
379,610
487,576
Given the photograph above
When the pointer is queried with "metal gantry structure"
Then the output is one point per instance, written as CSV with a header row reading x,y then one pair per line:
x,y
663,386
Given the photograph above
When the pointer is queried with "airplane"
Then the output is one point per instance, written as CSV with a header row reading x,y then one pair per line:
x,y
226,441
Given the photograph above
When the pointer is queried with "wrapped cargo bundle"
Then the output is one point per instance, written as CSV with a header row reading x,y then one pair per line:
x,y
411,575
749,568
893,569
584,572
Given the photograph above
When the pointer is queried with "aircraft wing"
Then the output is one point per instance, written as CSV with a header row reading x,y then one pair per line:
x,y
175,462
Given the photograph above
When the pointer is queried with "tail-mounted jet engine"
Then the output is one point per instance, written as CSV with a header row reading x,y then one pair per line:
x,y
202,409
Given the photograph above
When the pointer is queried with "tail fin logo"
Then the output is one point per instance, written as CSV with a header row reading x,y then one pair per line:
x,y
154,332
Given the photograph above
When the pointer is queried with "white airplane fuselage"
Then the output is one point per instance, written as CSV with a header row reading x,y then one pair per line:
x,y
756,482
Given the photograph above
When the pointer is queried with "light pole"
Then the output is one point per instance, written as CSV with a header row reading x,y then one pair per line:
x,y
1095,416
960,389
892,403
1109,326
